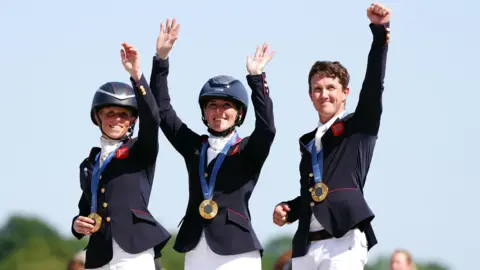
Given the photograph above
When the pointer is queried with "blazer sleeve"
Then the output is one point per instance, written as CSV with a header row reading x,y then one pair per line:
x,y
147,142
369,109
258,147
182,138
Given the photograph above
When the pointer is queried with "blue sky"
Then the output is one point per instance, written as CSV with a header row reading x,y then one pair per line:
x,y
423,181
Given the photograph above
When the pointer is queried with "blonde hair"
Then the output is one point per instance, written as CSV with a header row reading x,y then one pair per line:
x,y
408,256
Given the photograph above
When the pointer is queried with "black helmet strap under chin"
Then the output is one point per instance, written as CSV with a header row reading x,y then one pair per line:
x,y
225,132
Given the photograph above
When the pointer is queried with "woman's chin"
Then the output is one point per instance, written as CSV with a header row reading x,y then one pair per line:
x,y
115,134
220,128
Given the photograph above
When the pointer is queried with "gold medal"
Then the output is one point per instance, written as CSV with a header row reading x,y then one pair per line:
x,y
98,221
208,209
319,192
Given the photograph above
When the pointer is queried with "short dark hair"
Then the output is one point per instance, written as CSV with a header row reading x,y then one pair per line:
x,y
329,69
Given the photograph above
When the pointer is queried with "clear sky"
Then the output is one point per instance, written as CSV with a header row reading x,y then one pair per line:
x,y
423,183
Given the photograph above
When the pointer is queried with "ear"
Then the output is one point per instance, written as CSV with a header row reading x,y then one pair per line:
x,y
310,94
241,112
346,91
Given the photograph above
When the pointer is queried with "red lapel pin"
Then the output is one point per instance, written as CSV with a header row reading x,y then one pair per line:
x,y
122,153
337,129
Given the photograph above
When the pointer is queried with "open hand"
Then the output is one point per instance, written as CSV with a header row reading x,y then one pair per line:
x,y
256,65
167,37
131,61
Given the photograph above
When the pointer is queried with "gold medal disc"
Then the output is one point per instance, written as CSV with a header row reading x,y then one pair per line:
x,y
98,221
319,192
208,209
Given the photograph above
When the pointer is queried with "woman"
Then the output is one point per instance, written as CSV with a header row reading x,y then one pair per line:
x,y
116,179
223,168
402,260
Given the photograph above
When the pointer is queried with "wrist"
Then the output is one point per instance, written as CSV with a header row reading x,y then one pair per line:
x,y
136,75
162,55
256,72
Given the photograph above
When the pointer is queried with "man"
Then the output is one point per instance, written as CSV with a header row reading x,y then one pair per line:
x,y
334,230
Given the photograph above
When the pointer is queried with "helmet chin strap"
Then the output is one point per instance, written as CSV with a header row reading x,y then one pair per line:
x,y
226,132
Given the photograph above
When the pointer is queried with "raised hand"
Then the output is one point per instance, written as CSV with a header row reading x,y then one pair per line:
x,y
131,61
378,14
256,65
167,37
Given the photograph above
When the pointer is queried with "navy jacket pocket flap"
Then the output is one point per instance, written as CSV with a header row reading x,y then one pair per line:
x,y
143,216
238,219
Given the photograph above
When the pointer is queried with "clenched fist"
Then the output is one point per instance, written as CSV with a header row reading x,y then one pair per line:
x,y
280,214
83,225
378,14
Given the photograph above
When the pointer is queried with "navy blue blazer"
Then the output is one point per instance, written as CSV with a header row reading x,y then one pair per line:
x,y
124,191
236,178
348,150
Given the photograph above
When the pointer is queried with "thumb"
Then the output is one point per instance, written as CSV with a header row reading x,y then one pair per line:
x,y
286,207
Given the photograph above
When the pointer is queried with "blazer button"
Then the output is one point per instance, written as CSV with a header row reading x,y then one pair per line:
x,y
205,174
310,174
102,190
100,177
310,189
108,219
312,204
105,205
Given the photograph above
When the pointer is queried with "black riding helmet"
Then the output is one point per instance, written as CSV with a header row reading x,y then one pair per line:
x,y
228,88
116,94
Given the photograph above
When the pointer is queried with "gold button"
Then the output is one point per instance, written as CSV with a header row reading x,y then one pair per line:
x,y
206,174
108,219
312,204
310,189
310,174
102,190
105,205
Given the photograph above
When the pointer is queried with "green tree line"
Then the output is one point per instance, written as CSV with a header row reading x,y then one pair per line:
x,y
29,243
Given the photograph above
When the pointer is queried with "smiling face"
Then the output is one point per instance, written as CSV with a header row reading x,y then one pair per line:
x,y
220,114
328,88
115,121
328,96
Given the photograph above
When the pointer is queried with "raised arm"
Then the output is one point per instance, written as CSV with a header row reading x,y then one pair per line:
x,y
178,134
369,109
261,139
147,142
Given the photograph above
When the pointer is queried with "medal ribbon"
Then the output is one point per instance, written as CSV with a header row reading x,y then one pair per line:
x,y
208,189
96,176
317,157
317,163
